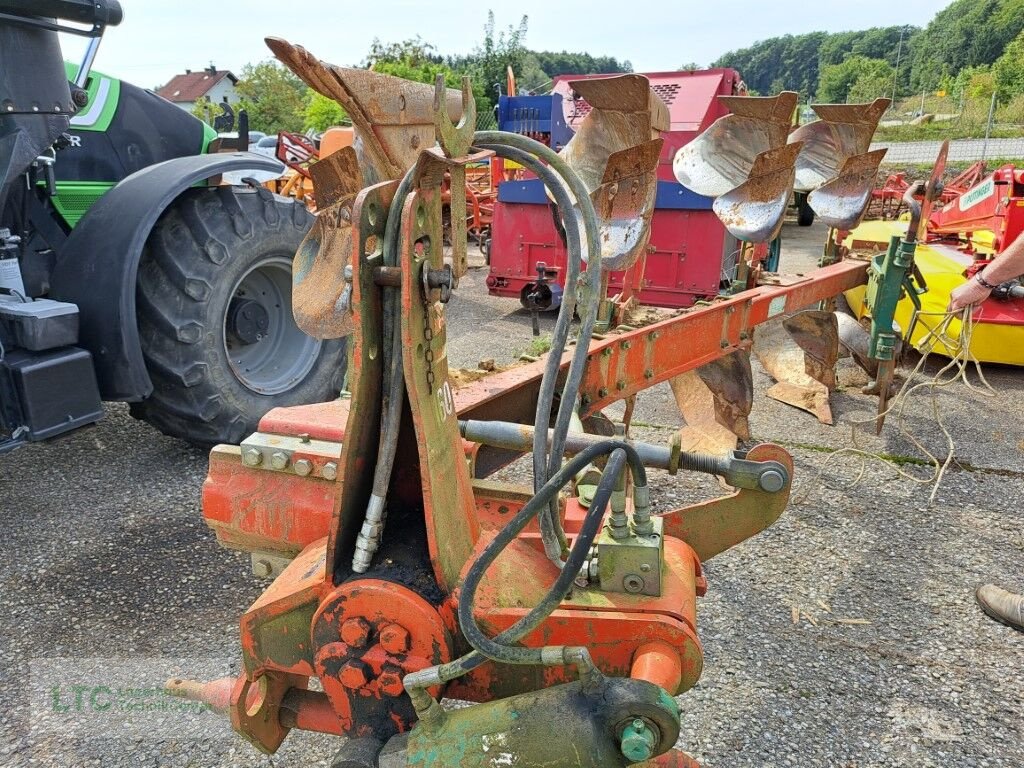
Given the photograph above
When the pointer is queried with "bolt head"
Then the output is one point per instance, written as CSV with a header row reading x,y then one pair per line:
x,y
638,741
279,460
771,481
394,639
633,584
354,675
303,467
330,471
262,568
252,457
390,681
355,632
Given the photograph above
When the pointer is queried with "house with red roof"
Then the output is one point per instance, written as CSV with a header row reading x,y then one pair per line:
x,y
215,84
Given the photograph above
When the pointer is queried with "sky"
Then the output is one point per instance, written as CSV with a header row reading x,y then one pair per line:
x,y
159,39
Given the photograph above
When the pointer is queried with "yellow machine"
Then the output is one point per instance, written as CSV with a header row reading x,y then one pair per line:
x,y
998,333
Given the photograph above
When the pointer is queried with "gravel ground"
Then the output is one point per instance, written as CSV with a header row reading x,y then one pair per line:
x,y
111,583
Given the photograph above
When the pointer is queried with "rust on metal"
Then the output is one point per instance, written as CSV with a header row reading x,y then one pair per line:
x,y
336,177
715,401
842,201
321,294
843,131
816,332
393,118
723,156
785,361
615,152
754,210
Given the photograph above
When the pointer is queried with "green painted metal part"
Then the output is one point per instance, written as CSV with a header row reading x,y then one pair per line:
x,y
638,741
75,198
632,564
888,277
104,95
601,723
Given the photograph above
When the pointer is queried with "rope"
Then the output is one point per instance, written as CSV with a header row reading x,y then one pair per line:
x,y
959,364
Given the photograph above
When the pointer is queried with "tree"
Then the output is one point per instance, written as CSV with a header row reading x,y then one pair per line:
x,y
873,83
967,33
869,76
274,98
203,109
322,113
494,56
1009,70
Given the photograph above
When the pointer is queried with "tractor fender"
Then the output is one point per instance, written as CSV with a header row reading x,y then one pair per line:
x,y
98,264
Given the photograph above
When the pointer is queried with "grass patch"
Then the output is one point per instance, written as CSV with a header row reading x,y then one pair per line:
x,y
943,129
540,345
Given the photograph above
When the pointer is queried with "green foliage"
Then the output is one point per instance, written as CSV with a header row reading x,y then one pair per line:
x,y
791,60
1009,70
856,78
203,109
321,113
796,62
967,33
565,63
274,98
492,58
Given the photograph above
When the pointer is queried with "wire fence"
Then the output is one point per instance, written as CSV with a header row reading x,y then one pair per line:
x,y
960,150
980,125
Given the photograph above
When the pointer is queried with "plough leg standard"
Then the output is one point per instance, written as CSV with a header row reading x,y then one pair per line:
x,y
403,574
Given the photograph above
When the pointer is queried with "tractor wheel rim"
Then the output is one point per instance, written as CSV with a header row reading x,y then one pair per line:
x,y
281,356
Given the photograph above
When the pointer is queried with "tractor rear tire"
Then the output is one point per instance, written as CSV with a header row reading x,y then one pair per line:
x,y
804,212
213,302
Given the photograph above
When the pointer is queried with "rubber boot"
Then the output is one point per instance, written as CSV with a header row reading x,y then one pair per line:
x,y
1002,605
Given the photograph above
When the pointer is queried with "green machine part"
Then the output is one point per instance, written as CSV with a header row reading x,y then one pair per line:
x,y
888,277
600,723
75,198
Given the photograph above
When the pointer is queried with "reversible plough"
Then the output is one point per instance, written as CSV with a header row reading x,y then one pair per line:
x,y
402,573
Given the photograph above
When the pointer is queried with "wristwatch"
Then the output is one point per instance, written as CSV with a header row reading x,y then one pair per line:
x,y
983,282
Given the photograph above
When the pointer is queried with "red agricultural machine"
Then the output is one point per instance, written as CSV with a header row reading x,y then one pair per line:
x,y
689,250
403,572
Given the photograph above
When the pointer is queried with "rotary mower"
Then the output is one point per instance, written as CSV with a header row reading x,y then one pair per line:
x,y
402,572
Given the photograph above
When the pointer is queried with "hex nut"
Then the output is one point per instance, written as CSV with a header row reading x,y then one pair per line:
x,y
303,467
355,632
252,457
330,471
279,460
394,638
354,674
390,680
262,568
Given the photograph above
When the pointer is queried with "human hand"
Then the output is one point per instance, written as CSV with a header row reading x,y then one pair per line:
x,y
971,292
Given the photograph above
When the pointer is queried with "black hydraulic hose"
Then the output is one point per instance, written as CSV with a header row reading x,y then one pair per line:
x,y
566,576
574,562
554,543
549,520
393,391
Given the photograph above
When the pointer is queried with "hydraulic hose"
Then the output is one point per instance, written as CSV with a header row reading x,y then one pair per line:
x,y
554,543
551,529
393,393
499,645
500,651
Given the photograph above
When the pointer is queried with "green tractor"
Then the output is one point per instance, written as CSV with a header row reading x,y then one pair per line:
x,y
131,269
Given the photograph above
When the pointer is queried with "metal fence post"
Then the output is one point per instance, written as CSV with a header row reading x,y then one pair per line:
x,y
988,125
